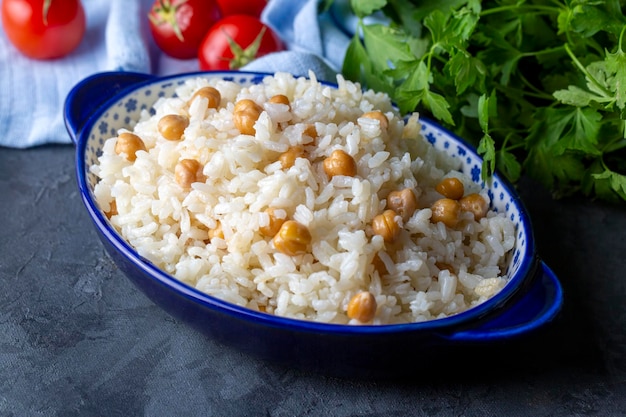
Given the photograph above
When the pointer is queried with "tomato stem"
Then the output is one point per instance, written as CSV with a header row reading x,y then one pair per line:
x,y
46,7
242,56
166,13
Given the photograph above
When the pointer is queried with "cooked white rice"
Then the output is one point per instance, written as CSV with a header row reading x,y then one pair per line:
x,y
169,225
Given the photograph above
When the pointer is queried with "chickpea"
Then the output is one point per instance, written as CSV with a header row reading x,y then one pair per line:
x,y
211,94
112,209
447,211
217,233
245,115
446,266
475,204
172,126
380,116
310,131
129,144
402,202
385,225
292,238
379,265
340,163
273,225
288,158
362,307
280,99
451,188
188,171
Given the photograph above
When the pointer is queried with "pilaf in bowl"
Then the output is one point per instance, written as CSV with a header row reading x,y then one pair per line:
x,y
274,210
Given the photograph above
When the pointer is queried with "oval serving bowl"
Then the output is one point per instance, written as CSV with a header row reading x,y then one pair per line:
x,y
100,105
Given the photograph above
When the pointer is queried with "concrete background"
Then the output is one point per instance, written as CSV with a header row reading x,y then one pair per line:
x,y
77,338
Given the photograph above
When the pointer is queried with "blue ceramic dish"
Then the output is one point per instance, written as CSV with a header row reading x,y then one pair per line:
x,y
101,104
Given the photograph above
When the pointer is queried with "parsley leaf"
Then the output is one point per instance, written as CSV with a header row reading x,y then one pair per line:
x,y
617,182
616,66
466,71
438,105
580,127
385,44
364,8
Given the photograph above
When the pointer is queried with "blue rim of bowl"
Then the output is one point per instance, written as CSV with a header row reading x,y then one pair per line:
x,y
463,320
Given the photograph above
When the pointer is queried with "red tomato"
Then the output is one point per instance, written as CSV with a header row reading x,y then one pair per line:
x,y
251,7
235,41
44,29
178,26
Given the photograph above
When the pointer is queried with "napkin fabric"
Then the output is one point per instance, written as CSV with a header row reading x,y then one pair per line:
x,y
32,92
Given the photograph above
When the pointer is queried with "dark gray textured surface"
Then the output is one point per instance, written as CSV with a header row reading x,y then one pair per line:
x,y
79,340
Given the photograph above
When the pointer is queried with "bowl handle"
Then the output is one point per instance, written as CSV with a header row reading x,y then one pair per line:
x,y
86,97
537,307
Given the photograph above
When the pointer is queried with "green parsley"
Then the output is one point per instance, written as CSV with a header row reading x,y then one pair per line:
x,y
539,86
